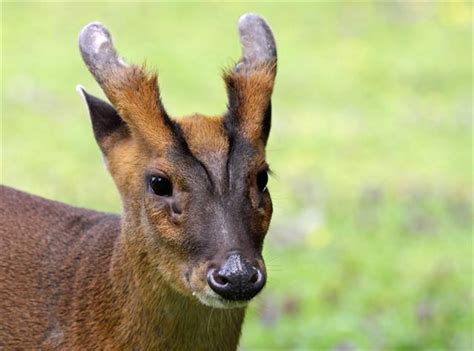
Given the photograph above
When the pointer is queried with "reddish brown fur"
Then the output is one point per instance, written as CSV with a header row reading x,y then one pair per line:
x,y
253,88
99,298
136,96
205,135
75,279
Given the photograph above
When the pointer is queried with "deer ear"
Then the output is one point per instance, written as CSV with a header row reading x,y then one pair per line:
x,y
106,122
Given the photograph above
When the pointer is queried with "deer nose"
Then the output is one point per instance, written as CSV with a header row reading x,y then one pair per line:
x,y
237,279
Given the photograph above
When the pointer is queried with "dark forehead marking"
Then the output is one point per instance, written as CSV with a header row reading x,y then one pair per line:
x,y
181,139
240,152
184,148
230,133
237,144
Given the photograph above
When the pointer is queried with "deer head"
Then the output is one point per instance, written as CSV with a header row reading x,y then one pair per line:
x,y
196,206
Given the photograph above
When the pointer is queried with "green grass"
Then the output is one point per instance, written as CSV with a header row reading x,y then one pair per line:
x,y
371,242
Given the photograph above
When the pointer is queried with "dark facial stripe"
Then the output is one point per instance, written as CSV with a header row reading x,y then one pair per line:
x,y
183,145
231,139
267,123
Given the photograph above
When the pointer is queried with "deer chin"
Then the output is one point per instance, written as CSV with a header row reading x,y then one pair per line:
x,y
209,298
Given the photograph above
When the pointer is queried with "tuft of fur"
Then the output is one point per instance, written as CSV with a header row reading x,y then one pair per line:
x,y
135,94
249,92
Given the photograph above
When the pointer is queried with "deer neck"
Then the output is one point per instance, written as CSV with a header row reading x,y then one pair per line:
x,y
153,315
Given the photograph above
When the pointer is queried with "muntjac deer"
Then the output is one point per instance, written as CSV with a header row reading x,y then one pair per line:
x,y
176,270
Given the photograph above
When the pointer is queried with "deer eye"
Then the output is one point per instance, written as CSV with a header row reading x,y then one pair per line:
x,y
160,186
262,180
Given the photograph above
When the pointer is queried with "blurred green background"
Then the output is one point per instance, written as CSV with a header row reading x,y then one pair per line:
x,y
371,245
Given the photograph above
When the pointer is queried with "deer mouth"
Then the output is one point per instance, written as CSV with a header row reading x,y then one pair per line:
x,y
201,291
209,298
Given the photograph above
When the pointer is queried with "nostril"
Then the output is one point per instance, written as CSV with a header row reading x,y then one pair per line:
x,y
220,279
217,280
255,276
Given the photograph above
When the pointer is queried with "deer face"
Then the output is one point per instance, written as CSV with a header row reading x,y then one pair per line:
x,y
194,190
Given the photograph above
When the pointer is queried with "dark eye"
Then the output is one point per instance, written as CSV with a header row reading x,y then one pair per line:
x,y
160,186
262,180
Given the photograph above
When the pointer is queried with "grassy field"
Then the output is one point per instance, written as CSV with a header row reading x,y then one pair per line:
x,y
371,243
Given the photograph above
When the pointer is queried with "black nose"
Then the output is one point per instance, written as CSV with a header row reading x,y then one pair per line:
x,y
237,279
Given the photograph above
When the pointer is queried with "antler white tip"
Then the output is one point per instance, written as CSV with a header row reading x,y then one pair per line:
x,y
98,51
256,37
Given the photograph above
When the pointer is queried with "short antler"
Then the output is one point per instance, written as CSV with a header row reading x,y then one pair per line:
x,y
132,91
98,51
250,83
258,43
